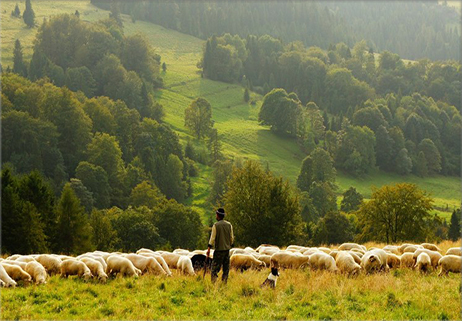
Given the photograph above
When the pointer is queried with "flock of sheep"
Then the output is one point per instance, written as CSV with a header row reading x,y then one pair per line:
x,y
348,258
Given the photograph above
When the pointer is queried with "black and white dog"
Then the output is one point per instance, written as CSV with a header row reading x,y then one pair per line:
x,y
271,279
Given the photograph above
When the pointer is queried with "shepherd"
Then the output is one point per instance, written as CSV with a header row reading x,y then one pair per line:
x,y
222,238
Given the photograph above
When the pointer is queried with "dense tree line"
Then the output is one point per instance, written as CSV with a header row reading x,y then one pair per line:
x,y
413,29
101,142
96,59
353,102
35,220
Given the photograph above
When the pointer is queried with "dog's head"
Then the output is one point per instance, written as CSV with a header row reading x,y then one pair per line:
x,y
274,271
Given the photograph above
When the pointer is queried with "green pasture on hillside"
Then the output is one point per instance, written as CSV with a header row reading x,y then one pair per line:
x,y
236,121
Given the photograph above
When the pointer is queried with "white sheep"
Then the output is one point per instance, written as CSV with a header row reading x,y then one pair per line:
x,y
146,264
185,265
16,272
245,261
96,268
171,259
288,260
423,263
434,256
346,263
75,267
37,272
454,251
430,246
450,263
375,260
51,264
8,282
393,261
322,261
407,260
119,265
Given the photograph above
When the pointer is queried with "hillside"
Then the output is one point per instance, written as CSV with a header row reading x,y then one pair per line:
x,y
235,120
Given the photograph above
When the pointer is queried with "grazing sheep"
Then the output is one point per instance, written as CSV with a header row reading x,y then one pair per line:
x,y
267,249
21,264
391,249
403,246
407,260
322,261
171,259
412,248
98,258
346,263
430,246
288,260
236,251
450,263
185,266
454,251
25,258
265,258
350,246
359,252
51,264
356,256
119,265
375,260
37,272
334,253
423,263
75,267
96,268
8,282
310,251
146,264
434,256
17,273
244,262
181,251
393,261
159,260
144,250
13,257
65,257
324,249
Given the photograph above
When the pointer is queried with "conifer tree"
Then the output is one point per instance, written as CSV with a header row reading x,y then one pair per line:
x,y
16,12
74,230
18,63
454,227
29,15
246,95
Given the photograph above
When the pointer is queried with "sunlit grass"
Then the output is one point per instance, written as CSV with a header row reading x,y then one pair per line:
x,y
300,294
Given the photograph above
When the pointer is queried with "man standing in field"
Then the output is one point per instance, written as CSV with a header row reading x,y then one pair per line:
x,y
222,239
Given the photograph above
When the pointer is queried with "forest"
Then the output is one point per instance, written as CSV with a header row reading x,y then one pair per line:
x,y
89,161
412,29
349,101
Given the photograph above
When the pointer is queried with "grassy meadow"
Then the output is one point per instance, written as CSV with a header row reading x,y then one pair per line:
x,y
300,294
236,121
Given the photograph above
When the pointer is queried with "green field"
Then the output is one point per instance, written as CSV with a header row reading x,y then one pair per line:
x,y
401,294
236,121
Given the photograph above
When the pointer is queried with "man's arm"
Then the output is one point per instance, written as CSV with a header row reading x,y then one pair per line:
x,y
212,237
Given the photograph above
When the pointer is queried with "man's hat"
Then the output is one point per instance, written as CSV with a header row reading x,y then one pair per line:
x,y
220,211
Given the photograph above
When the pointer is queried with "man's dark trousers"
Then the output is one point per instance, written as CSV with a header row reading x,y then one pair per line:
x,y
220,258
